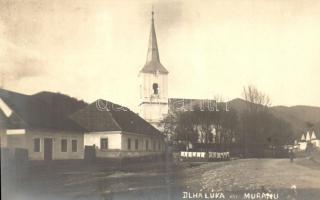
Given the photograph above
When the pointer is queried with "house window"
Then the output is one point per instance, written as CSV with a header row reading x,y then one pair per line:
x,y
36,145
129,143
104,143
64,145
136,144
159,145
154,145
74,145
147,145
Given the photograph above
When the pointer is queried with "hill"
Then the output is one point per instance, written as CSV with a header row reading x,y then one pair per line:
x,y
301,118
41,110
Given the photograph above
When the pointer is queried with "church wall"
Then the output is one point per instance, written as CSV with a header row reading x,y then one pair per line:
x,y
154,112
153,107
147,79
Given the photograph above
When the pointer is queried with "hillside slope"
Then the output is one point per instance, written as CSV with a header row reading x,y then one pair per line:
x,y
301,118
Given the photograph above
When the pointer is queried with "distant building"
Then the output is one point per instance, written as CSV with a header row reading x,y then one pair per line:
x,y
308,139
314,140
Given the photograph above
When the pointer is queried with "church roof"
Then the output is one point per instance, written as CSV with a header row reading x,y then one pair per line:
x,y
153,64
103,115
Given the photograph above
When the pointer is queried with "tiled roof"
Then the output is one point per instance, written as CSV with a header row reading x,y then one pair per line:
x,y
56,111
43,110
12,122
114,118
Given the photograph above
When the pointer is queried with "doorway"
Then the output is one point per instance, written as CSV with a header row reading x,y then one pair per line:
x,y
47,149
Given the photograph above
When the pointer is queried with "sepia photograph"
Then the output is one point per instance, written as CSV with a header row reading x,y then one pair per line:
x,y
160,99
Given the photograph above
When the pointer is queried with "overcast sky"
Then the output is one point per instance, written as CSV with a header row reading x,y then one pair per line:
x,y
95,49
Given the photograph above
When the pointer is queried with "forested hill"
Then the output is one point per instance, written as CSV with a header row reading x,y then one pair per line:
x,y
301,118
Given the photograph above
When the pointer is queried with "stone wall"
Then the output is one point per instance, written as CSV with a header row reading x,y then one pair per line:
x,y
125,154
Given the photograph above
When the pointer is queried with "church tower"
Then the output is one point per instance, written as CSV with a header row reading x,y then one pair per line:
x,y
153,80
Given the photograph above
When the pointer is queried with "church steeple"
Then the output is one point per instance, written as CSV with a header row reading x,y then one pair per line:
x,y
153,83
153,64
153,52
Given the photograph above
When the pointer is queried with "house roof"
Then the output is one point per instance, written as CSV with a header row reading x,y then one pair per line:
x,y
43,110
103,115
313,134
48,110
11,122
153,64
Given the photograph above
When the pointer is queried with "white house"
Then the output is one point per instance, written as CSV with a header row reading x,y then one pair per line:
x,y
39,124
308,138
314,140
50,126
116,131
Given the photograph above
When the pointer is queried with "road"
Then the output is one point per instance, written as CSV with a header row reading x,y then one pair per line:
x,y
233,179
289,180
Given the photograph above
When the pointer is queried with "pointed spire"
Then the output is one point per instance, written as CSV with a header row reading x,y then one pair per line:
x,y
153,52
153,64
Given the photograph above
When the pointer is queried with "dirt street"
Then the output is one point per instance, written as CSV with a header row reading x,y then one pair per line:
x,y
237,179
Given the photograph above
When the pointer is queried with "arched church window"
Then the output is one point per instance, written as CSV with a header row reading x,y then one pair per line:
x,y
155,88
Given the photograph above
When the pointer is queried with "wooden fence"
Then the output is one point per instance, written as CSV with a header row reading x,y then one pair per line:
x,y
204,156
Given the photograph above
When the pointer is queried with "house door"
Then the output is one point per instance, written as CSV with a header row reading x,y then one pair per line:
x,y
47,149
90,153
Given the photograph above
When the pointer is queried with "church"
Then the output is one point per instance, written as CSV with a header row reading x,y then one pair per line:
x,y
153,80
154,103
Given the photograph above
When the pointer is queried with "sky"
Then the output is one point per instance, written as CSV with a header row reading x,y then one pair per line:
x,y
95,49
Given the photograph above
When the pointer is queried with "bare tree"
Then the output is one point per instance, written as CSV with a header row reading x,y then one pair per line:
x,y
256,99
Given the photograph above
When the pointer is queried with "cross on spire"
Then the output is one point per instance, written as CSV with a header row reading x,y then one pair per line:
x,y
152,13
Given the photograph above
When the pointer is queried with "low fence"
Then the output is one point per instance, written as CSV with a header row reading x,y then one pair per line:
x,y
17,155
13,160
204,156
